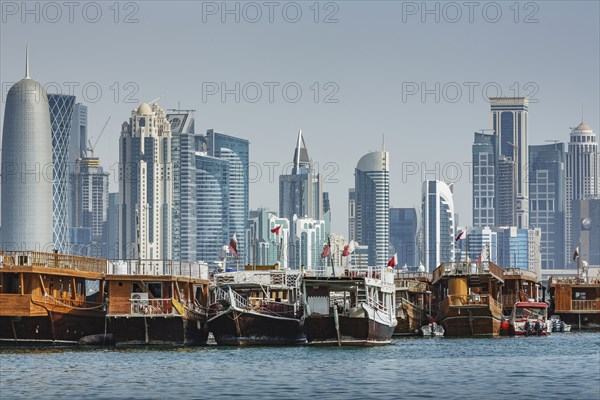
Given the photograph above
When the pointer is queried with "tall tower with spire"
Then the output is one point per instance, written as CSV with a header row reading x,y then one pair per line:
x,y
301,192
27,169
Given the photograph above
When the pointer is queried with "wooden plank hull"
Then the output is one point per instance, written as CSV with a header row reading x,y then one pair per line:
x,y
158,330
238,328
320,330
54,328
409,320
467,321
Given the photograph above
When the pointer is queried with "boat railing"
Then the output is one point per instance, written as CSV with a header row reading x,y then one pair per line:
x,y
143,267
66,302
467,268
400,274
10,259
377,305
472,300
585,305
220,294
238,300
350,271
151,306
416,286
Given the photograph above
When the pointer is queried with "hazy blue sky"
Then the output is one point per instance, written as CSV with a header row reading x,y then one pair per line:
x,y
367,61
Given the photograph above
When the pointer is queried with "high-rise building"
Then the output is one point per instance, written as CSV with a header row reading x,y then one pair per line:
x,y
547,201
78,140
437,207
485,169
505,192
351,214
91,205
509,121
306,243
403,235
27,168
113,226
264,246
372,191
301,192
583,175
185,144
212,208
61,113
326,202
235,151
586,227
145,186
513,247
482,242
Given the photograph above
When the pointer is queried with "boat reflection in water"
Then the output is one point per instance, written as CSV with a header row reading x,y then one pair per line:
x,y
356,308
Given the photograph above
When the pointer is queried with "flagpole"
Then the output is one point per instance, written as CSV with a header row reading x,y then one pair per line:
x,y
578,260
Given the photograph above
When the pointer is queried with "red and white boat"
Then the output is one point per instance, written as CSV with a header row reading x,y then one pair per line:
x,y
527,318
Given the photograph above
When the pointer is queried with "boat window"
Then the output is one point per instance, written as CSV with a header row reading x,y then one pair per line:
x,y
155,288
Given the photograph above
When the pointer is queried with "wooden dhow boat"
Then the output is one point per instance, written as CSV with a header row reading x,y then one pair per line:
x,y
157,302
257,306
469,293
355,309
50,298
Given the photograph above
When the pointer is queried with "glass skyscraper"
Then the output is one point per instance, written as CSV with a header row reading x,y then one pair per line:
x,y
372,191
235,152
509,121
437,207
547,201
266,247
403,235
485,168
61,112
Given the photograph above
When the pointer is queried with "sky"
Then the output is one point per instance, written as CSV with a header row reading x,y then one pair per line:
x,y
350,74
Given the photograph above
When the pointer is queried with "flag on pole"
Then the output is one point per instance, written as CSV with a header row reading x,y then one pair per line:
x,y
233,246
459,236
576,254
393,261
346,251
326,251
276,229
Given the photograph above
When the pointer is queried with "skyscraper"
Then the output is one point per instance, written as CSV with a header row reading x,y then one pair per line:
x,y
264,246
306,242
145,185
351,214
113,226
586,227
509,121
184,143
61,112
437,207
583,174
301,192
77,150
547,201
403,235
91,204
27,168
485,169
372,191
235,151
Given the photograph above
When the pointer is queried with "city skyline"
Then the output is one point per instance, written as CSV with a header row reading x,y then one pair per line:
x,y
370,102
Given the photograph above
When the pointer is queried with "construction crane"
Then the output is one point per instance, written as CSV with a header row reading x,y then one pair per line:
x,y
91,147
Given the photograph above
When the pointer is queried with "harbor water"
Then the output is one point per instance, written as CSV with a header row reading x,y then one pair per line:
x,y
560,366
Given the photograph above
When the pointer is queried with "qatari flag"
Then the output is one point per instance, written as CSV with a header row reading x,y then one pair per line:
x,y
233,246
326,251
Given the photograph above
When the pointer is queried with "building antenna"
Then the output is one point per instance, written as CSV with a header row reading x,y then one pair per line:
x,y
27,62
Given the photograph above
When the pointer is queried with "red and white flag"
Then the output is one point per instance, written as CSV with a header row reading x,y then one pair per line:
x,y
233,246
276,229
346,251
393,261
326,251
576,254
459,236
